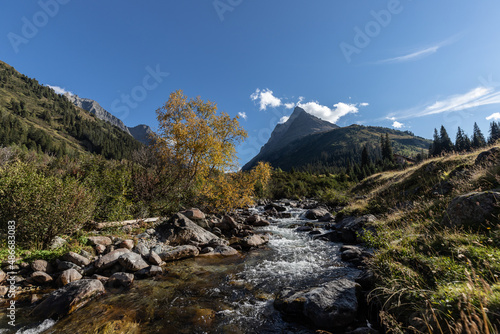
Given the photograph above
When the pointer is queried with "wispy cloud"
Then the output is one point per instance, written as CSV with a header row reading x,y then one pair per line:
x,y
60,90
289,105
265,98
420,53
476,97
243,115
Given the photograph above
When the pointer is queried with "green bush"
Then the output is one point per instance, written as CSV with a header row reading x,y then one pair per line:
x,y
42,206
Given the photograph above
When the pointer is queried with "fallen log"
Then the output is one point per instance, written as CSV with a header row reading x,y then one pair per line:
x,y
102,225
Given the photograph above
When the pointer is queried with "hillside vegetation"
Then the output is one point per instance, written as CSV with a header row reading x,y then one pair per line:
x,y
434,274
34,116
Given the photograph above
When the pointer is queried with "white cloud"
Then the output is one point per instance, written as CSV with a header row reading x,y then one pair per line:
x,y
289,105
283,119
60,90
364,104
243,115
391,118
397,125
495,117
329,114
476,97
265,98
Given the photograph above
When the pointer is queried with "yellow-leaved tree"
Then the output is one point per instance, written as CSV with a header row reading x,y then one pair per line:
x,y
227,191
195,142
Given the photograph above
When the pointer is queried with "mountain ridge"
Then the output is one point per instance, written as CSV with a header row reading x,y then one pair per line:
x,y
299,125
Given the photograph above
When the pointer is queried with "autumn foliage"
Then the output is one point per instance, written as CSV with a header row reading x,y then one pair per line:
x,y
197,148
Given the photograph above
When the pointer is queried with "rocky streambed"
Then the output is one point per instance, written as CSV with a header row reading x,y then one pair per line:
x,y
274,269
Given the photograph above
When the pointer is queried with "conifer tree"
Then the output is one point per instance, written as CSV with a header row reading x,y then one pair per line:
x,y
494,132
478,137
445,141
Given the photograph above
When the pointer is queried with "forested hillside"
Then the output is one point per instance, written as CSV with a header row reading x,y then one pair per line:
x,y
35,117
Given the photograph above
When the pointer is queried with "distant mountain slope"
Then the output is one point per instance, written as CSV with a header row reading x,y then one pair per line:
x,y
95,108
342,146
34,116
141,133
299,125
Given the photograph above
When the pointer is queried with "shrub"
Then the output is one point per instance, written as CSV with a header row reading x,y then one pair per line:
x,y
42,206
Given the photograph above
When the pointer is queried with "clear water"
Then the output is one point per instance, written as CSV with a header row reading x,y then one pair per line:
x,y
230,295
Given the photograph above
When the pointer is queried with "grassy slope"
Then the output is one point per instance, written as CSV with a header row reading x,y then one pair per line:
x,y
429,274
339,146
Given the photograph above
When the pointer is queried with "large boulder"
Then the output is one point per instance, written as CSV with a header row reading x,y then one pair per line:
x,y
180,252
108,260
316,213
132,261
331,306
475,210
180,230
68,298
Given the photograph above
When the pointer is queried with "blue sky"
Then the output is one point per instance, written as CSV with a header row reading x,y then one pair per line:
x,y
408,64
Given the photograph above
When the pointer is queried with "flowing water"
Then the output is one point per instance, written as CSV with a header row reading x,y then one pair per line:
x,y
203,295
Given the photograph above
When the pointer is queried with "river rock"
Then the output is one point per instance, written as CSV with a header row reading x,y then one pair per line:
x,y
64,265
150,271
255,240
129,244
121,279
316,213
41,265
228,223
473,210
3,275
100,249
76,259
221,250
180,230
194,214
86,254
257,221
40,277
132,261
331,306
3,290
99,240
142,249
351,229
328,217
68,276
154,258
275,206
179,252
68,298
108,260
